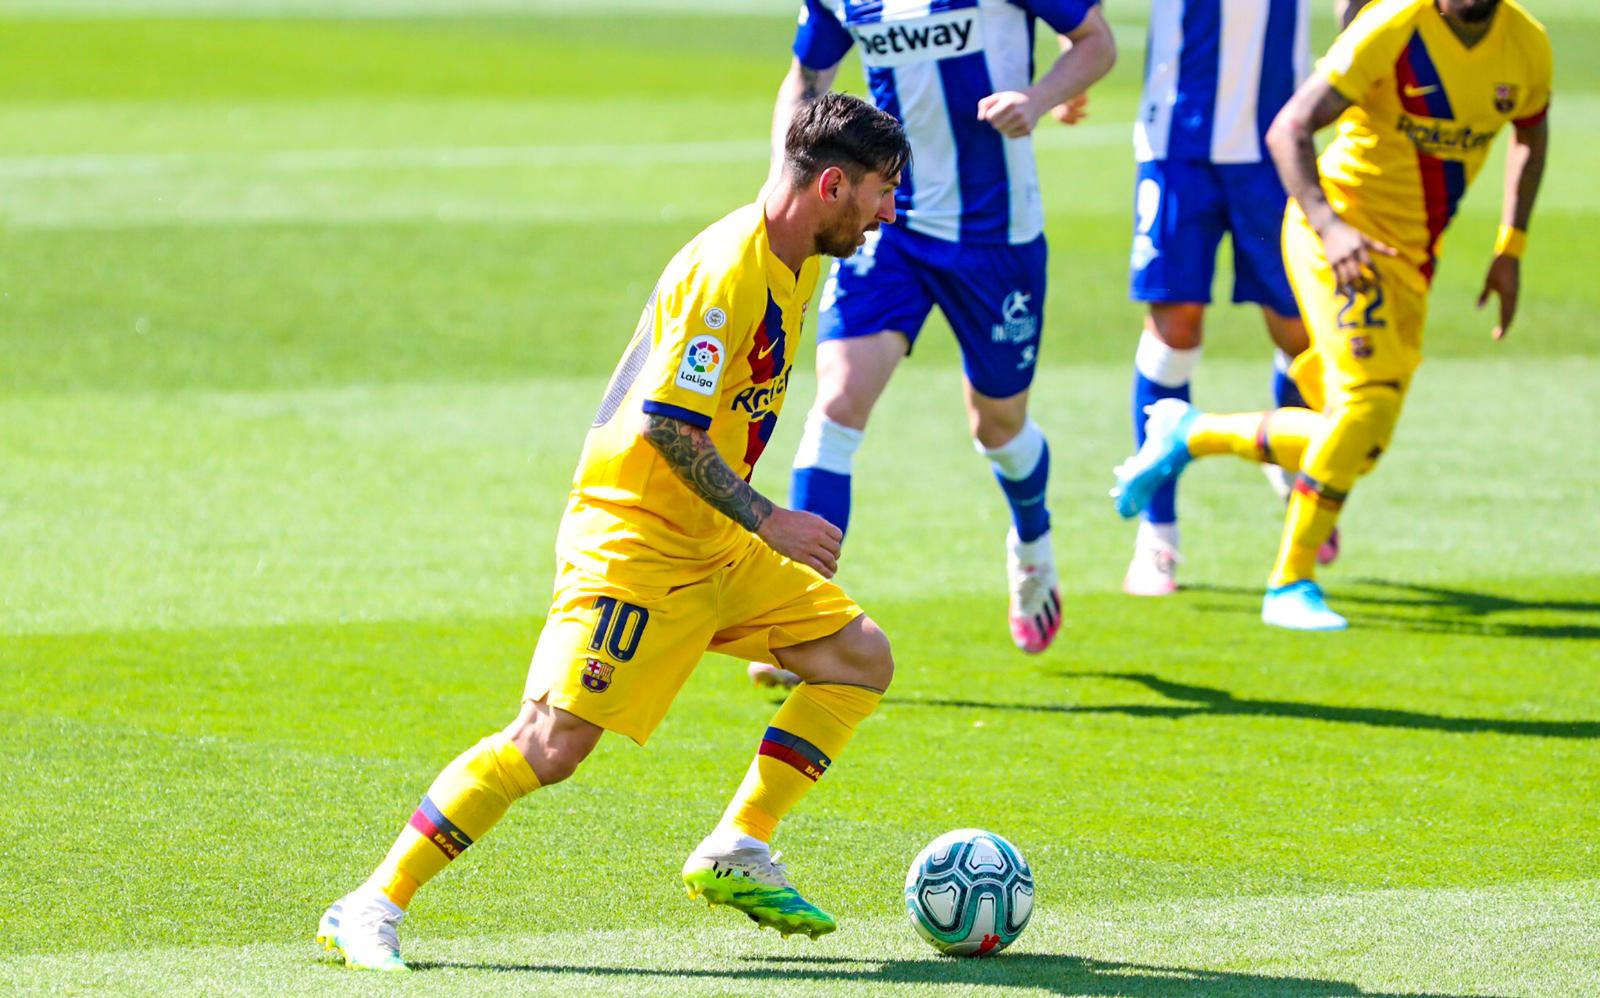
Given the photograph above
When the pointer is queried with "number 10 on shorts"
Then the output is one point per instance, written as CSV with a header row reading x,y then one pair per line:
x,y
619,629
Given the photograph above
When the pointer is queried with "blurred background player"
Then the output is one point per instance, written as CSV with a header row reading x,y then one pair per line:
x,y
666,551
960,76
1419,88
1216,73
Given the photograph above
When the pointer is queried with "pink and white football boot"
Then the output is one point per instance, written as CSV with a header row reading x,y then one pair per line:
x,y
1035,613
1154,568
1329,551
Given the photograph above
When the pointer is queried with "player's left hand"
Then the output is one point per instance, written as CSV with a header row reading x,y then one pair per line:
x,y
1011,112
1504,279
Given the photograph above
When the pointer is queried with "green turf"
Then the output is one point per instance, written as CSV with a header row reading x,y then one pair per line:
x,y
301,322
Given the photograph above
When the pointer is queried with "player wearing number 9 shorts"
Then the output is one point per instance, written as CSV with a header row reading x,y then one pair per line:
x,y
1420,89
666,551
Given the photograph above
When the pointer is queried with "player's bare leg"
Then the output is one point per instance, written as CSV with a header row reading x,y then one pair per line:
x,y
1169,350
843,676
851,376
543,745
1020,458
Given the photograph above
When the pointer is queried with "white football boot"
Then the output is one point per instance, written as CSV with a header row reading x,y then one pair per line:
x,y
1154,568
361,928
1035,611
766,675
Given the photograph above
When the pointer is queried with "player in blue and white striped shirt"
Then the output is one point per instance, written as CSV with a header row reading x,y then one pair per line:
x,y
1216,73
959,75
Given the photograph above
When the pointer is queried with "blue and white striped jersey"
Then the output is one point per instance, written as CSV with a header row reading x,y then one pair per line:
x,y
1215,74
928,63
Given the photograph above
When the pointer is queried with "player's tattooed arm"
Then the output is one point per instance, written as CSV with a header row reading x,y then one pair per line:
x,y
794,533
1313,107
803,83
813,82
694,458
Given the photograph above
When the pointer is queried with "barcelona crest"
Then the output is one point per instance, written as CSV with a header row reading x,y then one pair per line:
x,y
596,675
1505,97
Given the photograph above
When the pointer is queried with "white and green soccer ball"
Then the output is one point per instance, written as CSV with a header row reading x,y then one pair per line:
x,y
969,893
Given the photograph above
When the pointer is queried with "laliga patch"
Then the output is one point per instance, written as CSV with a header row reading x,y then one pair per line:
x,y
701,368
596,675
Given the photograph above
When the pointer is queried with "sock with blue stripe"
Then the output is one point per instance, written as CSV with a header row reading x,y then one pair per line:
x,y
1160,372
1022,467
807,733
464,802
820,482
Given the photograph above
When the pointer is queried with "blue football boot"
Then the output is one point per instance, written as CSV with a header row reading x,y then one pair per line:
x,y
1300,606
1162,458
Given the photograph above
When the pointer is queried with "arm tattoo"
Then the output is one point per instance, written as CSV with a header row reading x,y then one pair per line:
x,y
694,459
812,86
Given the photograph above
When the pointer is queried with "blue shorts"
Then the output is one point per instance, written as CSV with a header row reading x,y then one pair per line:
x,y
1181,208
992,295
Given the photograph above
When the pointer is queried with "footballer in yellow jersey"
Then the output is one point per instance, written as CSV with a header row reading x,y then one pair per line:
x,y
1424,110
714,349
1420,89
666,551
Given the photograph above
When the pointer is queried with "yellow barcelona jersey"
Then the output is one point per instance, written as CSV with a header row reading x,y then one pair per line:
x,y
1426,109
714,348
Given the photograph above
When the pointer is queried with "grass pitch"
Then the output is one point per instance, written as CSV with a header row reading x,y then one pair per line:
x,y
303,313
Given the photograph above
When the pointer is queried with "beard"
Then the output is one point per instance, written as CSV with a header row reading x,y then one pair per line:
x,y
1479,13
842,238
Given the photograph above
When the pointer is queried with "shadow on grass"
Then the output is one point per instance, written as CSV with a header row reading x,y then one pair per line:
x,y
1051,974
1206,701
1456,611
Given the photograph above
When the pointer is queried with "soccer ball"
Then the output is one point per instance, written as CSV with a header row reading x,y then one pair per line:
x,y
969,893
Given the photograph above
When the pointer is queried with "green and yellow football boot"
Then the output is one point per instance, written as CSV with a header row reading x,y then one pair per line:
x,y
750,879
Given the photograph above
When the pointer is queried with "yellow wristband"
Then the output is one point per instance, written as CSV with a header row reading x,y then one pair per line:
x,y
1510,242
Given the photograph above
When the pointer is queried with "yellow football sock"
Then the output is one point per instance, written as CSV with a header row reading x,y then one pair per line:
x,y
1275,437
807,733
464,802
1313,510
1356,434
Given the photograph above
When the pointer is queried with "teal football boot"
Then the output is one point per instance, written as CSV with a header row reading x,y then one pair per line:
x,y
1300,606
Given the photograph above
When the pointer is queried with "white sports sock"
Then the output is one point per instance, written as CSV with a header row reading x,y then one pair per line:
x,y
725,838
1163,533
1016,458
1162,364
1034,552
827,445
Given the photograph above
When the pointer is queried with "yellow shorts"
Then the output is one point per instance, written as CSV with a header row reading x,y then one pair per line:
x,y
616,655
1371,336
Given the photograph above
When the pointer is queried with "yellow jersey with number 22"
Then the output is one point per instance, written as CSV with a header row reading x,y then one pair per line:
x,y
1425,110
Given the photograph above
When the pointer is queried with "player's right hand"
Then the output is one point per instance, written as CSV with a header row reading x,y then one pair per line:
x,y
1349,252
803,537
1072,111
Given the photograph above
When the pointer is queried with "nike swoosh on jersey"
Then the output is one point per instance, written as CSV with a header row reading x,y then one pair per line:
x,y
1414,91
762,354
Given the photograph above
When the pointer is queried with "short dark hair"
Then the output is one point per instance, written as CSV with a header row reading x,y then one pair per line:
x,y
844,131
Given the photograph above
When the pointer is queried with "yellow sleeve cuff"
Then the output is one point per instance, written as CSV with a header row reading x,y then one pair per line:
x,y
1510,242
